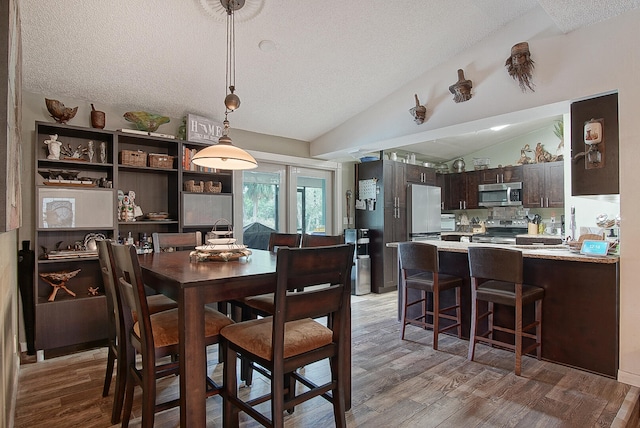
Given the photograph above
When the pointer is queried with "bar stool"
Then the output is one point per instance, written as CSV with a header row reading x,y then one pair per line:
x,y
496,278
419,266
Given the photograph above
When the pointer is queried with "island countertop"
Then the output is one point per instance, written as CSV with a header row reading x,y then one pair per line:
x,y
580,310
549,252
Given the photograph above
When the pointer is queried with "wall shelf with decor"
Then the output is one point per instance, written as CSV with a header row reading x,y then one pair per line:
x,y
76,197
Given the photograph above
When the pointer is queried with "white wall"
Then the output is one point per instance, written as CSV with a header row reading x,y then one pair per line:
x,y
590,61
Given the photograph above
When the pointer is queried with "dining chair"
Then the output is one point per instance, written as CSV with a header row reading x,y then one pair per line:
x,y
153,336
277,240
116,331
321,240
497,278
419,270
175,241
291,338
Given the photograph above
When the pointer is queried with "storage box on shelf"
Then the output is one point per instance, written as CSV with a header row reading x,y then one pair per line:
x,y
76,196
160,161
133,158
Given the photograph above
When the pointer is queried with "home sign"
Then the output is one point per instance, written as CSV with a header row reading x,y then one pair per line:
x,y
203,130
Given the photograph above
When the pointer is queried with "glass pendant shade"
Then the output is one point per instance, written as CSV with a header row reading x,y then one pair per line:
x,y
224,155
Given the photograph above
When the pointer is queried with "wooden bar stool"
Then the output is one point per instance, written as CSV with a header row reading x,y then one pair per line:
x,y
419,266
496,278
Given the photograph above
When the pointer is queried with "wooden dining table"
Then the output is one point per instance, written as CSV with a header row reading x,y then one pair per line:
x,y
193,284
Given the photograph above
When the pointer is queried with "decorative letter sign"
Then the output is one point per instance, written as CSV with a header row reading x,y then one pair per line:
x,y
203,130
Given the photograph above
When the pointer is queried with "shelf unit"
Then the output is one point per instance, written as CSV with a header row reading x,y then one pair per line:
x,y
67,213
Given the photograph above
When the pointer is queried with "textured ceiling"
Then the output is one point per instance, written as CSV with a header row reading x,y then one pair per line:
x,y
328,61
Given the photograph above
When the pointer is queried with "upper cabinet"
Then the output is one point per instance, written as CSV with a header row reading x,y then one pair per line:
x,y
420,174
543,185
594,146
509,174
460,190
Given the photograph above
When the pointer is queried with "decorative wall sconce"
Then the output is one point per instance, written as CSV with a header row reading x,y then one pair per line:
x,y
594,144
593,132
461,90
418,112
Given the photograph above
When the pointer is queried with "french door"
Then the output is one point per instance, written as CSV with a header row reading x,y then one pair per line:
x,y
285,199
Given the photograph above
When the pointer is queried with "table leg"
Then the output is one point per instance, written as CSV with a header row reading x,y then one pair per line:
x,y
193,360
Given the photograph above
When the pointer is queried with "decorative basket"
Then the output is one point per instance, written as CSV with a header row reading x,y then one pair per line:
x,y
160,160
133,157
192,186
212,187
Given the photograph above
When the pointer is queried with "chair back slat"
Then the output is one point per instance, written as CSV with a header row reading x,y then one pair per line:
x,y
277,240
162,241
418,256
327,266
322,240
132,291
109,288
500,264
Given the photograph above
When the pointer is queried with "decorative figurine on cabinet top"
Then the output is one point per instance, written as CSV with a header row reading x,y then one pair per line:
x,y
59,112
520,66
144,121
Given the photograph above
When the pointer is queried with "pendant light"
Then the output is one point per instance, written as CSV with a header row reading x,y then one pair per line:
x,y
224,155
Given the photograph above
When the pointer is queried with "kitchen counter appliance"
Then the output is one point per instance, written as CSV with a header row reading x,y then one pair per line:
x,y
361,272
500,194
502,231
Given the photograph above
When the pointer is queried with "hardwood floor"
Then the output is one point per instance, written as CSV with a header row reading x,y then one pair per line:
x,y
395,384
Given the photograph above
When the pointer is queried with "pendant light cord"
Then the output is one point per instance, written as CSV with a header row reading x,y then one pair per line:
x,y
230,80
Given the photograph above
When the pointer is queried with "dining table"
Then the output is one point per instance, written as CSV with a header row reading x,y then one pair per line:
x,y
192,284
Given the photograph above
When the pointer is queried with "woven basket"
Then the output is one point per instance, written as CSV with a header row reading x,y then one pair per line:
x,y
133,158
212,187
160,161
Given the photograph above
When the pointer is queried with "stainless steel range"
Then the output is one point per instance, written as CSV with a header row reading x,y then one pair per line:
x,y
502,231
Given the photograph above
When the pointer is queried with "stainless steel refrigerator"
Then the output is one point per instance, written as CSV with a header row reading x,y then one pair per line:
x,y
423,212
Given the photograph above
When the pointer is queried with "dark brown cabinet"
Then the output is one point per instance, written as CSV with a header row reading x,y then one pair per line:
x,y
509,174
543,185
461,191
76,201
420,174
387,220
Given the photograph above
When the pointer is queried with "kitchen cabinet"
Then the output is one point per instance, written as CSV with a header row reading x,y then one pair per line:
x,y
461,190
543,185
76,200
509,174
420,174
386,220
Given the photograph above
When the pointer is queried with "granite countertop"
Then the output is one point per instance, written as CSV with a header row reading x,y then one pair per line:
x,y
549,252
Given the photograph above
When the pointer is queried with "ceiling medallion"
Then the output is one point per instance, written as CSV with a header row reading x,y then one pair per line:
x,y
244,11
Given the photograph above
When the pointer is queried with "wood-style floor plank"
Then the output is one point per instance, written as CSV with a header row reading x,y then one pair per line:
x,y
395,383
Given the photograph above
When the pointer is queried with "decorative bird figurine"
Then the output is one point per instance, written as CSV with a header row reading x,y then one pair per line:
x,y
146,121
59,112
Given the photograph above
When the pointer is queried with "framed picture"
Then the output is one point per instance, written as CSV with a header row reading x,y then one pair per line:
x,y
66,208
10,117
203,130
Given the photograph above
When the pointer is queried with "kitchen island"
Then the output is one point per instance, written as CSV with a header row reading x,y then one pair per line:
x,y
580,307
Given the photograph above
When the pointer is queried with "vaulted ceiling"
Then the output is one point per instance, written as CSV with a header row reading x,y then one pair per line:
x,y
302,66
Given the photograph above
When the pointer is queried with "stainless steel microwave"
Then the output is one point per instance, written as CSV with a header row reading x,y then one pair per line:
x,y
500,194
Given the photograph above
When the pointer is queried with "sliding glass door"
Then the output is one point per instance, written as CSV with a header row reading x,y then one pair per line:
x,y
285,199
